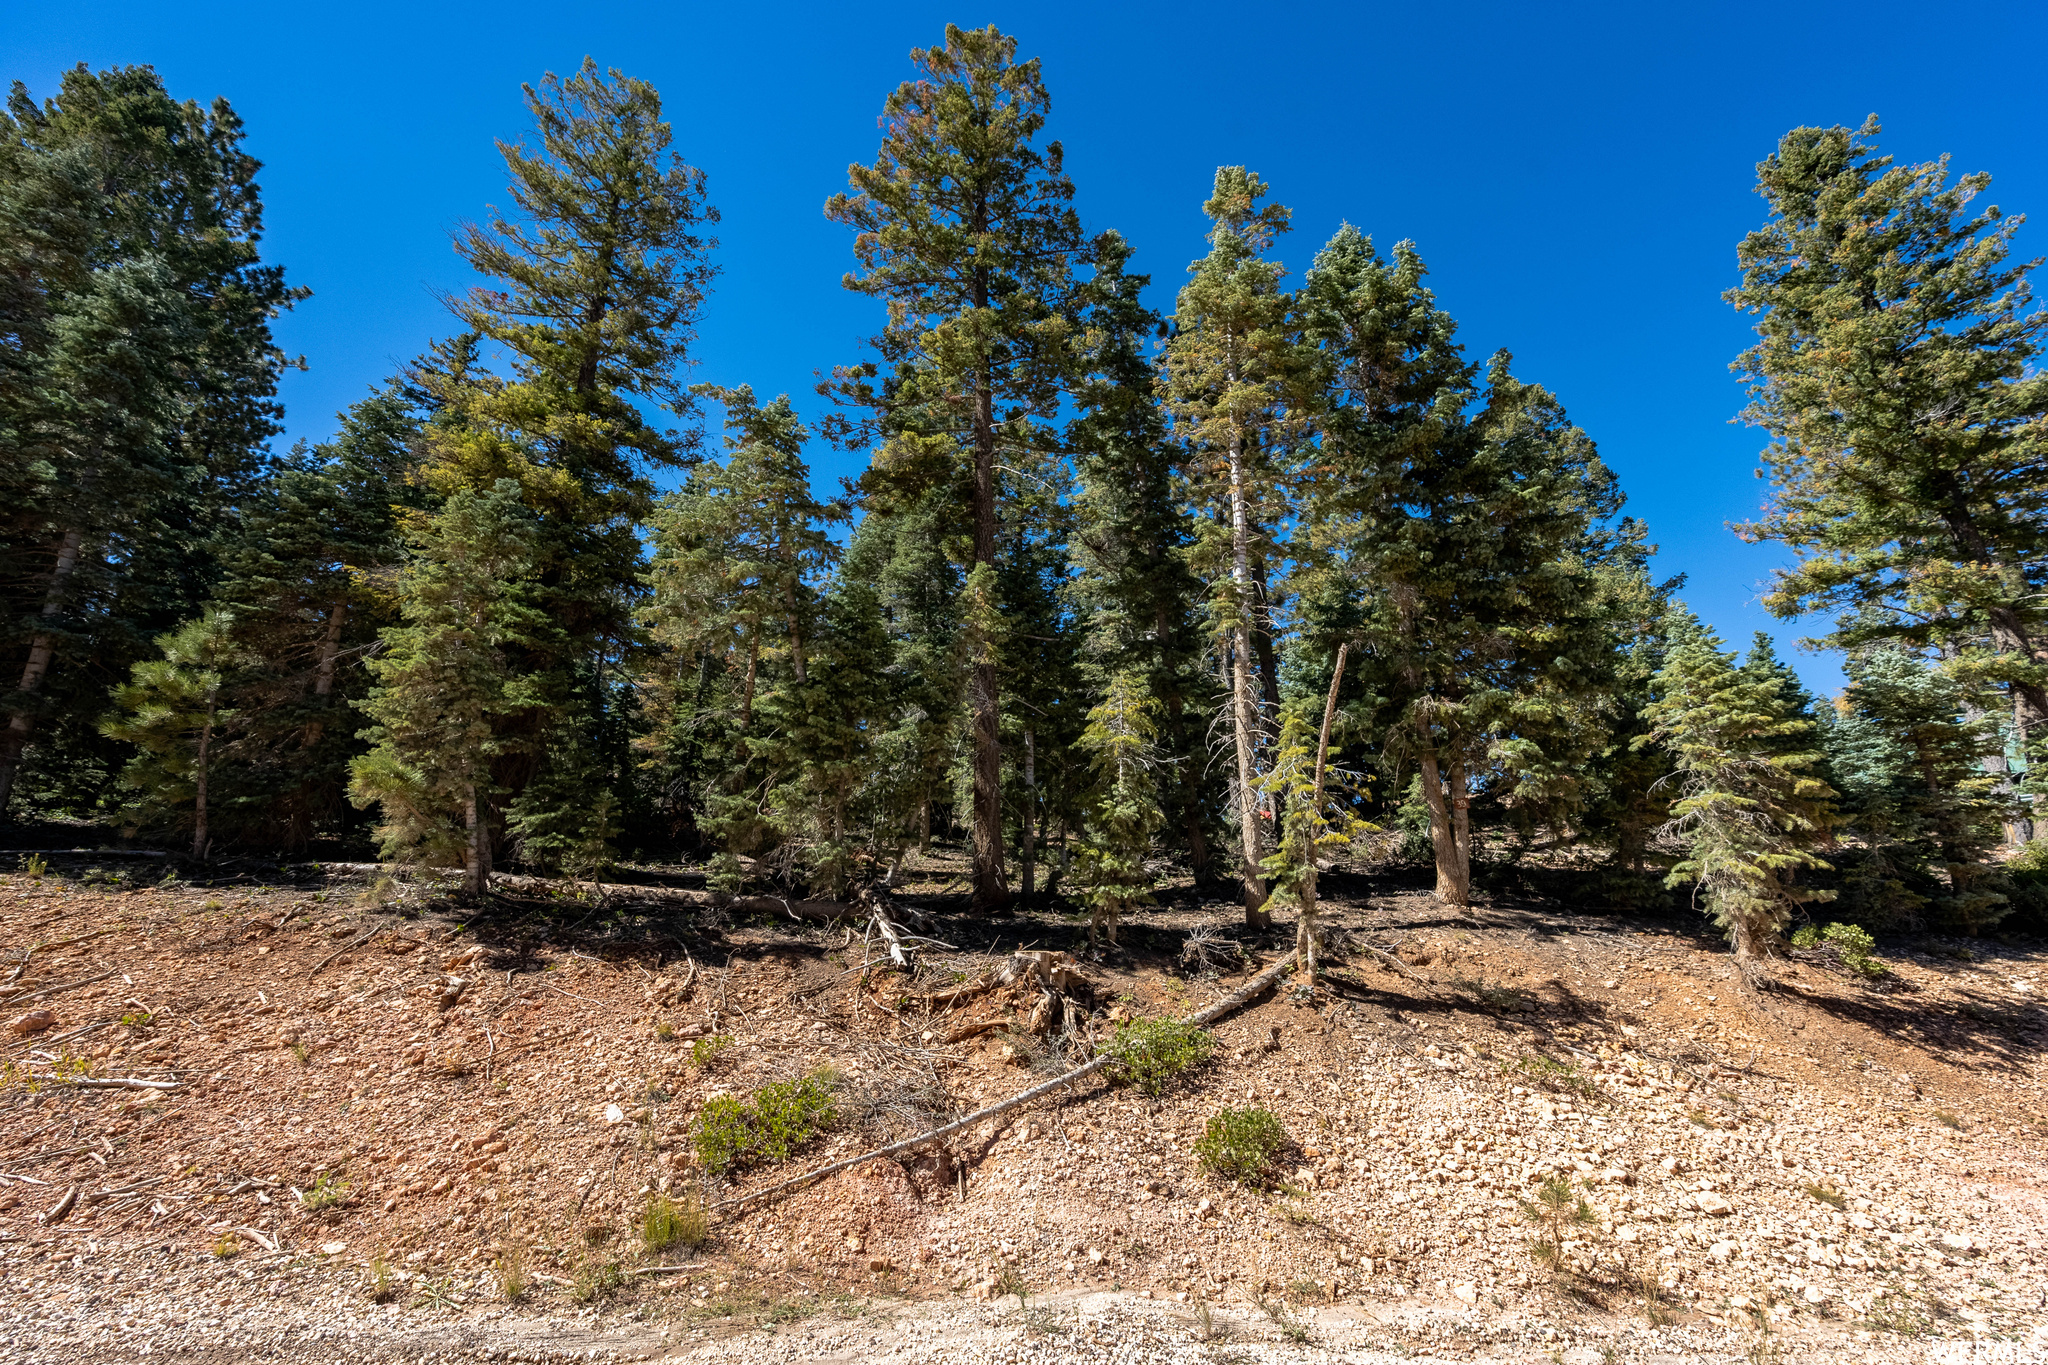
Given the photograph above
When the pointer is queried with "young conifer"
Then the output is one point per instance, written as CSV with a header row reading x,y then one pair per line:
x,y
1751,807
451,699
171,711
1124,815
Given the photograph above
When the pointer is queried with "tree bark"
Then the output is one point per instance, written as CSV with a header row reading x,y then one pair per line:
x,y
1305,926
1453,878
476,852
1243,688
41,648
1028,824
199,836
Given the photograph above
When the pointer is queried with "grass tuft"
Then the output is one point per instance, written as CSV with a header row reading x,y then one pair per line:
x,y
1241,1144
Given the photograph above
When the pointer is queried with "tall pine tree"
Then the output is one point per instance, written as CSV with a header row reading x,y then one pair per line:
x,y
966,228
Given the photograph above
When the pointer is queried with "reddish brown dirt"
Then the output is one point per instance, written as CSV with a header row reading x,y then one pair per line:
x,y
1863,1160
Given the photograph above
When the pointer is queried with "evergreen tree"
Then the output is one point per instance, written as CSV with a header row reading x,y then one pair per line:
x,y
171,712
739,553
451,700
1896,369
136,390
1904,754
1234,369
1311,824
1751,807
1124,813
966,228
1465,537
1133,530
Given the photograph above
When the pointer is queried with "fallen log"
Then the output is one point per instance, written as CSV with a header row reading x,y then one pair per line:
x,y
1257,985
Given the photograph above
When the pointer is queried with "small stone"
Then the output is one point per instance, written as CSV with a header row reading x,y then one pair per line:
x,y
1583,1355
333,1248
1466,1293
35,1021
614,1114
1721,1251
1813,1293
1956,1241
1710,1203
1094,1256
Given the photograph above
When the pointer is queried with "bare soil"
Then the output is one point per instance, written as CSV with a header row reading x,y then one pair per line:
x,y
1857,1170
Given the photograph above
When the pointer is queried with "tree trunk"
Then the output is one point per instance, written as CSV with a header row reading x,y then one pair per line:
x,y
1305,926
1029,828
41,647
323,672
1453,879
476,852
990,892
1243,689
199,836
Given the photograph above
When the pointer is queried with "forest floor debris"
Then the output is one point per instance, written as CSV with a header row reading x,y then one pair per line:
x,y
1511,1134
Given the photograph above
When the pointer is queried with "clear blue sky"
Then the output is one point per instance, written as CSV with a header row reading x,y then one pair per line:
x,y
1576,176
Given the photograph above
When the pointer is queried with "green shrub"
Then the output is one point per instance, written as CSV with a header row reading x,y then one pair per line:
x,y
1240,1144
705,1051
1149,1052
1854,945
769,1125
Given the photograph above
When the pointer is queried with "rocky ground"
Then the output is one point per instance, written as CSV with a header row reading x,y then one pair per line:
x,y
387,1106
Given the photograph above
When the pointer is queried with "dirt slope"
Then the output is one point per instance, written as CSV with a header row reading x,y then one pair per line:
x,y
1860,1170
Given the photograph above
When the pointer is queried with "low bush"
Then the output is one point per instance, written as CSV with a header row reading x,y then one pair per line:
x,y
769,1125
1241,1144
670,1222
1150,1052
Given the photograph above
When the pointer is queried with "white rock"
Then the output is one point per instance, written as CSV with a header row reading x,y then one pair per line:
x,y
1722,1251
1710,1203
1583,1355
1466,1293
614,1114
1956,1241
1813,1293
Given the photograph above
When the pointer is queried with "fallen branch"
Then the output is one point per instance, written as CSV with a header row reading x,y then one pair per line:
x,y
61,1210
1250,989
953,993
1397,965
665,1269
59,988
571,994
975,1030
365,938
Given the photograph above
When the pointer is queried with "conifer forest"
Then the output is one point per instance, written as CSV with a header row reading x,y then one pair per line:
x,y
1192,805
1222,589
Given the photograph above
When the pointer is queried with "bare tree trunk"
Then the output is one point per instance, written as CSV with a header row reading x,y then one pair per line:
x,y
1453,884
1028,824
476,852
1461,826
41,647
1305,926
1243,689
199,835
323,671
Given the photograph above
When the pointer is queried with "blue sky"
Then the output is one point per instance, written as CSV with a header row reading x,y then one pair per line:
x,y
1576,176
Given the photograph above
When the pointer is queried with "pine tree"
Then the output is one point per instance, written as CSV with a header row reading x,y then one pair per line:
x,y
594,286
1467,551
451,699
1234,369
136,391
171,712
1133,530
739,554
1311,823
1904,753
1124,813
966,228
1896,369
1751,807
